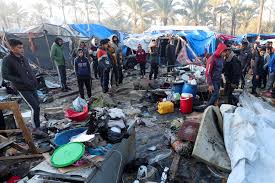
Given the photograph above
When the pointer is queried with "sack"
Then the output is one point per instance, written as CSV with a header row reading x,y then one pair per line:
x,y
79,104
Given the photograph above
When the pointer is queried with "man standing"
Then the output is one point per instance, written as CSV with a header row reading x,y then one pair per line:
x,y
232,72
104,64
245,58
153,51
258,70
118,57
93,55
141,59
213,72
16,69
83,73
85,49
57,56
170,53
271,69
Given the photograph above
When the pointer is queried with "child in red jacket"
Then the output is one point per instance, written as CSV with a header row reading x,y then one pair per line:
x,y
141,59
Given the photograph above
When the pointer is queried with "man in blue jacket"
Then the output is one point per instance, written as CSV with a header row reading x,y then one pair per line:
x,y
83,73
271,69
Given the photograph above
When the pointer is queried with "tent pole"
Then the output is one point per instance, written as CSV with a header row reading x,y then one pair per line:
x,y
48,45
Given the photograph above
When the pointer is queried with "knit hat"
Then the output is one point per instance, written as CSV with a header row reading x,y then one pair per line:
x,y
104,41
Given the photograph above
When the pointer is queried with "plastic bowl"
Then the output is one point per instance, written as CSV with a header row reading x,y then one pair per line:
x,y
65,136
77,116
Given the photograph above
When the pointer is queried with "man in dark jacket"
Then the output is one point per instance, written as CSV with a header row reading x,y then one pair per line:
x,y
153,57
170,54
232,73
213,73
83,73
16,69
258,70
245,58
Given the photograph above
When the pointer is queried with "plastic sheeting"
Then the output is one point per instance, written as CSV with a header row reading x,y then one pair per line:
x,y
93,30
248,135
200,41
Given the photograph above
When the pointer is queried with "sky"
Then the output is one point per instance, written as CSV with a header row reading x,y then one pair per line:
x,y
27,4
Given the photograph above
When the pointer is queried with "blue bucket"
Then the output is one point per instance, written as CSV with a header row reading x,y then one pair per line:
x,y
188,88
177,87
65,136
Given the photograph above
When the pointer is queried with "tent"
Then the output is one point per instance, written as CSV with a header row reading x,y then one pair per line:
x,y
93,30
38,40
252,37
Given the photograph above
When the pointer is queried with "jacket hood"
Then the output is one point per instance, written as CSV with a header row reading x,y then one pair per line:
x,y
112,36
221,47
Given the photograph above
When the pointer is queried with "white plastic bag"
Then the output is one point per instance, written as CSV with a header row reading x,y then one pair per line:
x,y
79,104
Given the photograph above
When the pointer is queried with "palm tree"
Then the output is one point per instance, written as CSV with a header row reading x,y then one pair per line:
x,y
50,3
98,4
196,10
18,13
133,15
4,12
87,4
166,9
216,7
235,11
260,16
74,4
38,12
62,4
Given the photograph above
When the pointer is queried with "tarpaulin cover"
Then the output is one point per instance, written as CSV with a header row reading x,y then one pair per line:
x,y
252,37
200,41
90,30
247,136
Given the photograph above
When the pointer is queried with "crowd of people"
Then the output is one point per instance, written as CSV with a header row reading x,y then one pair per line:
x,y
228,66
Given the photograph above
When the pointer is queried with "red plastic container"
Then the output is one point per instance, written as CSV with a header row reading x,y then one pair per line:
x,y
186,103
77,116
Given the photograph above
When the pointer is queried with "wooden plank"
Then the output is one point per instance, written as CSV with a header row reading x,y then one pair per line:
x,y
174,167
11,131
31,156
14,107
5,144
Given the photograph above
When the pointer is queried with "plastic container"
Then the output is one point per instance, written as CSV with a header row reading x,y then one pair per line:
x,y
186,103
188,88
67,154
65,136
77,116
177,87
165,107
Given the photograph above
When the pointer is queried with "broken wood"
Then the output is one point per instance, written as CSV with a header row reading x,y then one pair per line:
x,y
11,131
31,156
14,107
174,167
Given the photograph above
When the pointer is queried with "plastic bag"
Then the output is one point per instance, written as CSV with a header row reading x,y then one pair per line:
x,y
247,135
79,104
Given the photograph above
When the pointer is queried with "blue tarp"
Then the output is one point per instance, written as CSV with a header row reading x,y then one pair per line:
x,y
93,30
200,41
252,37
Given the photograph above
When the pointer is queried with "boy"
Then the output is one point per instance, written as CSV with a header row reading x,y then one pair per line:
x,y
153,51
83,73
